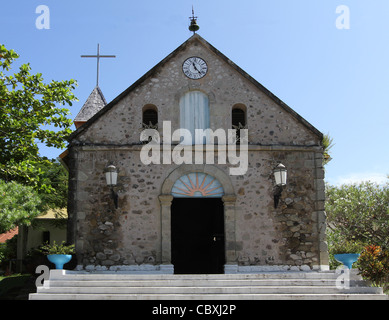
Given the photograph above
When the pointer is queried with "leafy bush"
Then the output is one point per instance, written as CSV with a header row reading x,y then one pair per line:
x,y
2,253
7,251
359,212
337,244
57,249
357,216
374,265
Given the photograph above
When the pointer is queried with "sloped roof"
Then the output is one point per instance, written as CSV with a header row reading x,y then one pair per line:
x,y
51,214
8,235
201,40
54,214
93,104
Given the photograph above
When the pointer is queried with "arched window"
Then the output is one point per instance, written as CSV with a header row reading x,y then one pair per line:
x,y
150,117
238,119
197,185
194,114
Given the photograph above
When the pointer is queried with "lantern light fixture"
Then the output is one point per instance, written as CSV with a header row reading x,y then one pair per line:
x,y
280,177
111,176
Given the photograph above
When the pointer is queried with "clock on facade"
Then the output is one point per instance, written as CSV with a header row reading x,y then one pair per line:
x,y
195,68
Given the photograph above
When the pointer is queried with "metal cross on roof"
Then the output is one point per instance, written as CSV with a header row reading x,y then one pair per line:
x,y
98,56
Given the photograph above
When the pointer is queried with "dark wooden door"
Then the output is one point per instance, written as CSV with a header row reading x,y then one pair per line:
x,y
197,226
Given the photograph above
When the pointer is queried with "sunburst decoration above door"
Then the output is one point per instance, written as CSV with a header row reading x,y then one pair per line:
x,y
197,185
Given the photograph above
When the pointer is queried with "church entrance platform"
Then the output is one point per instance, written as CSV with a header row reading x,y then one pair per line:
x,y
82,285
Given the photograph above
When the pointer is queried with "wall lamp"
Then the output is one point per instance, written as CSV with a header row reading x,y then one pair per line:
x,y
111,175
280,175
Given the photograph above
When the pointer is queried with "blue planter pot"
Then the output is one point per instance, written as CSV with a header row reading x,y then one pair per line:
x,y
347,258
59,259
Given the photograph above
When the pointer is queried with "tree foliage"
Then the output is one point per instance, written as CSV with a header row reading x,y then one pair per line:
x,y
31,112
55,177
359,213
19,204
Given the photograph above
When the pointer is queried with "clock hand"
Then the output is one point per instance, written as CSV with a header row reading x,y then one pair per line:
x,y
194,66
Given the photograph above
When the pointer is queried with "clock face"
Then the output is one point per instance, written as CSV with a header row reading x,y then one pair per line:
x,y
195,68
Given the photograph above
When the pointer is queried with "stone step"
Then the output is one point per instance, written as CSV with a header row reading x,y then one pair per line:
x,y
36,296
276,285
200,283
84,276
209,290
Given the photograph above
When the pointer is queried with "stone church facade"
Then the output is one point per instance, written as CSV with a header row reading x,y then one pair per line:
x,y
188,217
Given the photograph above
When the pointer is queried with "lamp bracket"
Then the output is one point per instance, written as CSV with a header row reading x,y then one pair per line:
x,y
277,195
114,197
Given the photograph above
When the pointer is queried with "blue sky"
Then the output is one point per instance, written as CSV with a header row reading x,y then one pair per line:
x,y
337,79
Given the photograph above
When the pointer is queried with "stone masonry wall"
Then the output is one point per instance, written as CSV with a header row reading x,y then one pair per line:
x,y
131,234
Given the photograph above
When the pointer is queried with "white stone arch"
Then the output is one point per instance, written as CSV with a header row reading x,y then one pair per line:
x,y
229,199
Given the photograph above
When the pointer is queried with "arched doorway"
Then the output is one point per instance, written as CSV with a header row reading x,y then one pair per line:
x,y
204,183
197,225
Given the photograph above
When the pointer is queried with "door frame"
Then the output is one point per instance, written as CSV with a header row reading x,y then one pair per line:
x,y
229,200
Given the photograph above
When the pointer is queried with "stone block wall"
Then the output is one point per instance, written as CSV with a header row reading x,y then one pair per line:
x,y
292,234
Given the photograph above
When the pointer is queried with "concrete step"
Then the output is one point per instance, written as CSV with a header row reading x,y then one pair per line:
x,y
288,285
209,290
36,296
95,276
199,283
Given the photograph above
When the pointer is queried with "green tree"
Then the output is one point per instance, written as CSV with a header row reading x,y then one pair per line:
x,y
19,205
359,213
30,113
55,176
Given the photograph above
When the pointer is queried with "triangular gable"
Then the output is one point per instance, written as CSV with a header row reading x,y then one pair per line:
x,y
206,44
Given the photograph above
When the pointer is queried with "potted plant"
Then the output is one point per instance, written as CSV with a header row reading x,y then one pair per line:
x,y
347,258
58,254
347,252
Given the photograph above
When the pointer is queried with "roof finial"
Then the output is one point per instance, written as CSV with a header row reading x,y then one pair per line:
x,y
193,23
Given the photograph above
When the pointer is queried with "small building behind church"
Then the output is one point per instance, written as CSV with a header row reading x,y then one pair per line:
x,y
177,208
